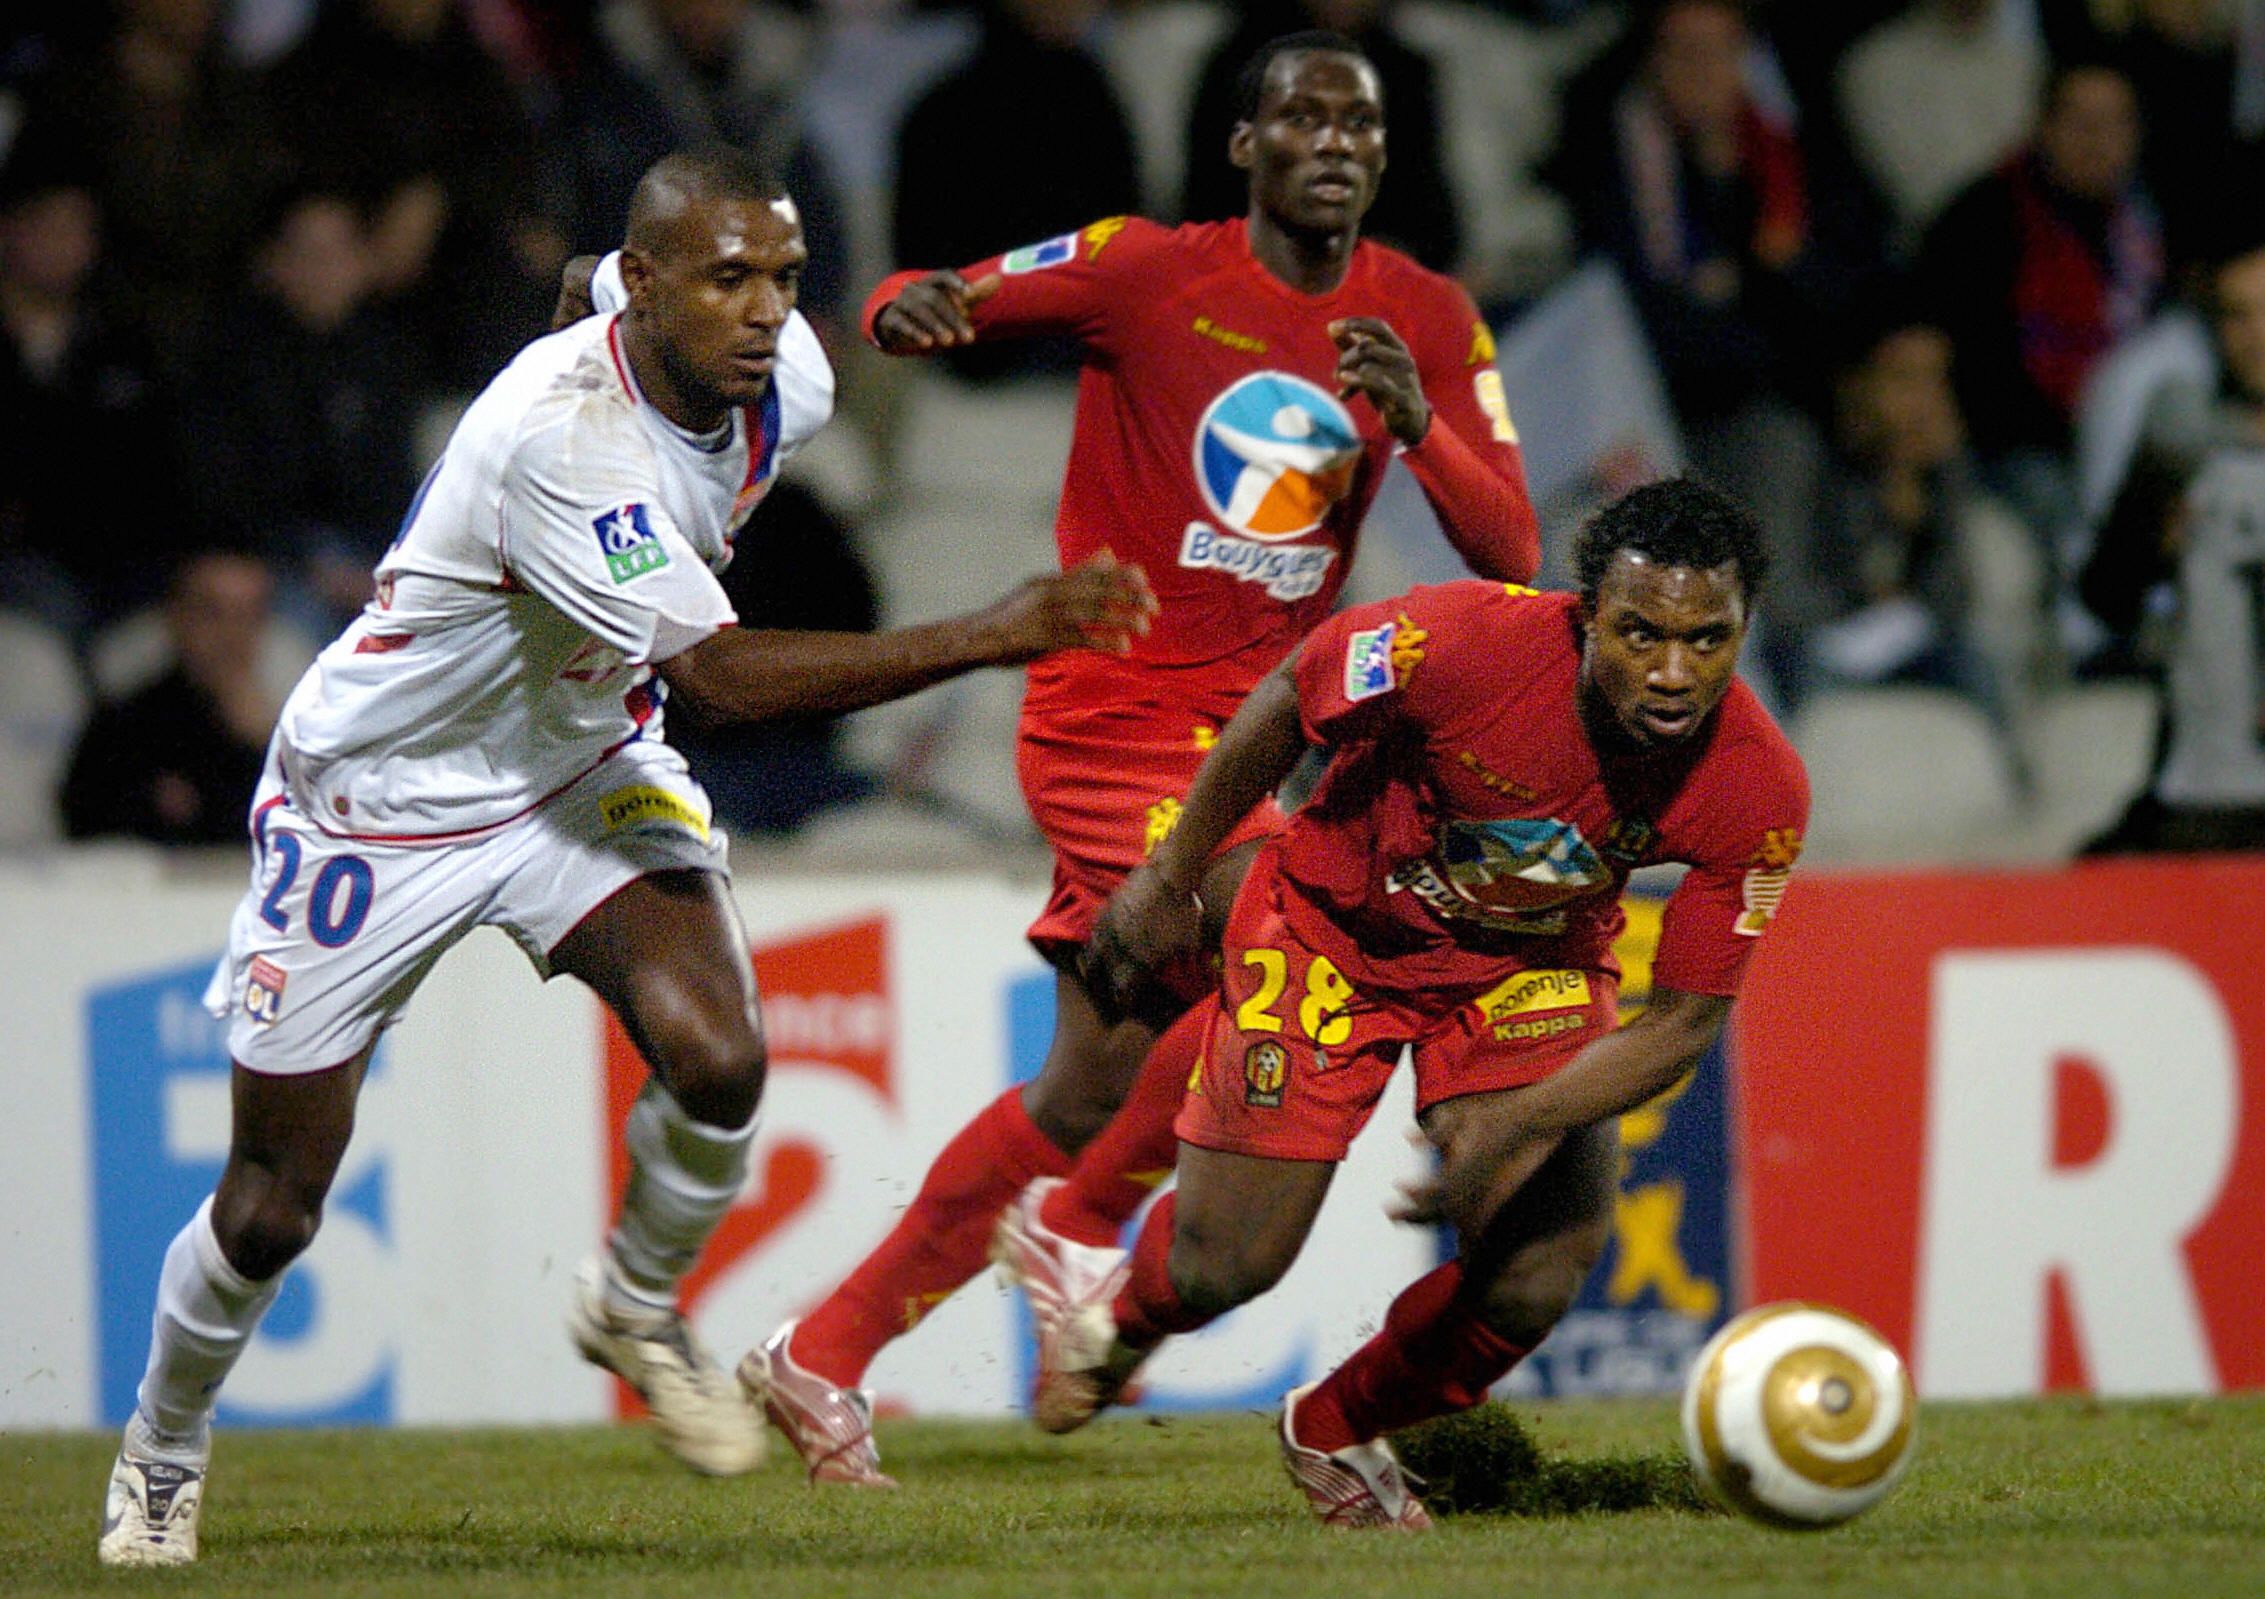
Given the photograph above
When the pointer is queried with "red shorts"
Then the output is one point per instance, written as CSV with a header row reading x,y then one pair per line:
x,y
1297,1059
1104,773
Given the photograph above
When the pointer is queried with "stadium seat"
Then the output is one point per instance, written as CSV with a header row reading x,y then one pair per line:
x,y
1907,774
2092,747
42,705
1002,441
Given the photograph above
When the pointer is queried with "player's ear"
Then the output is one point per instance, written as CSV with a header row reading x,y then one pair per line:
x,y
636,273
1238,146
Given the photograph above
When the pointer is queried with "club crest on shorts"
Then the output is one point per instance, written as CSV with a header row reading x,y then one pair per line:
x,y
1266,1067
263,991
626,537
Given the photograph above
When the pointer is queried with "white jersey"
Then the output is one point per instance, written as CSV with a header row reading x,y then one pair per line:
x,y
567,539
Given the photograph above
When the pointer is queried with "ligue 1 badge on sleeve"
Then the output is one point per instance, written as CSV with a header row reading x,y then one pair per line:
x,y
626,537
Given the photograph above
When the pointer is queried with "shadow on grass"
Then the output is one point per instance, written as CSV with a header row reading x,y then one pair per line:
x,y
1485,1462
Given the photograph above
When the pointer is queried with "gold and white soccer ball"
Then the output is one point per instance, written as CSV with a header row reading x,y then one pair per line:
x,y
1798,1416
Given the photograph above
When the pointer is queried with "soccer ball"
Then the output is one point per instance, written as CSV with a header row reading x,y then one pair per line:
x,y
1798,1416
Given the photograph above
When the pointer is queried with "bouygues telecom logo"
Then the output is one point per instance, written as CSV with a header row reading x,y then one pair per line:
x,y
1273,454
826,1009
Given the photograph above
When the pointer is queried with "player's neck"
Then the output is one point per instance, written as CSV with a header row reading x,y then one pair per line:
x,y
1309,262
659,386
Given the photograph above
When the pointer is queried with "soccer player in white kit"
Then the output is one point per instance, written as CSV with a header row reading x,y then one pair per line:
x,y
481,747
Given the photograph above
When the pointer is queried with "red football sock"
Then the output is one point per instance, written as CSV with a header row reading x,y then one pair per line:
x,y
1148,1308
943,1239
1136,1151
1433,1356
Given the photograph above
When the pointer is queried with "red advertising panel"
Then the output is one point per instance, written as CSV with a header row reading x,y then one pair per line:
x,y
2008,1119
826,1008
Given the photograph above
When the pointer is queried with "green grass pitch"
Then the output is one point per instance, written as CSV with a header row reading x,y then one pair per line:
x,y
2062,1499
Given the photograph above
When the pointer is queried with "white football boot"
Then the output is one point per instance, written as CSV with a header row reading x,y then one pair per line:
x,y
699,1414
831,1428
1053,1271
149,1516
1362,1485
1083,1367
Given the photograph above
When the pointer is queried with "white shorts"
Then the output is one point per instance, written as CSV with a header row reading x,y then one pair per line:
x,y
335,933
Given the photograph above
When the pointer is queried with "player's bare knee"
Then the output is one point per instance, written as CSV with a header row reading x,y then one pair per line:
x,y
717,1080
1069,1113
264,1220
1213,1272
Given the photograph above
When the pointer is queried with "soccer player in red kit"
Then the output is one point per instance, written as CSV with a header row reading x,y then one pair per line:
x,y
1502,760
1244,386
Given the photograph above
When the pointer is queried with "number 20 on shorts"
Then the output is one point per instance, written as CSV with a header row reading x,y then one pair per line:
x,y
338,902
1321,1010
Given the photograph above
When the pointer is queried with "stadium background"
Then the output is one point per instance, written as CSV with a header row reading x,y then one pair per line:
x,y
1996,1100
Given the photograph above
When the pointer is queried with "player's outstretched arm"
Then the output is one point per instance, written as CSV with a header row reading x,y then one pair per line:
x,y
752,675
932,313
1487,1154
1155,918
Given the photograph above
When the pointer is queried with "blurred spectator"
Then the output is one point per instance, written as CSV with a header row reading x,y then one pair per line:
x,y
1738,253
1024,140
796,566
1913,575
673,74
2035,272
1416,207
2180,56
176,762
395,103
302,423
81,540
2190,419
1935,99
2204,462
173,135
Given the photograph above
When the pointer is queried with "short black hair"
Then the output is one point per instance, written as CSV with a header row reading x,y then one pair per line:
x,y
1677,521
1250,82
710,172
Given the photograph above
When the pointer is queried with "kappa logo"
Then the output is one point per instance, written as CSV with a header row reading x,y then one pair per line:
x,y
263,991
626,538
1098,235
1037,257
1274,454
1266,1067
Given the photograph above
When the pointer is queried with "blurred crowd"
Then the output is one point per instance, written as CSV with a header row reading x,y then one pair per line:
x,y
1965,297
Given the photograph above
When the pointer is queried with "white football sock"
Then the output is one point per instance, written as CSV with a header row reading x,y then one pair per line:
x,y
683,1176
206,1312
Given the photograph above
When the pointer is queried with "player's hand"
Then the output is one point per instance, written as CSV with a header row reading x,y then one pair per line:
x,y
1479,1168
932,313
1372,360
1099,604
1148,926
574,302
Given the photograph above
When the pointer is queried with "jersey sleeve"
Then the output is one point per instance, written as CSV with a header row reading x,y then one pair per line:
x,y
583,527
1371,665
1066,285
1468,463
1739,870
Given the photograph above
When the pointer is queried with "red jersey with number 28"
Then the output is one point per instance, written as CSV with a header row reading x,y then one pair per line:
x,y
1469,825
1211,447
